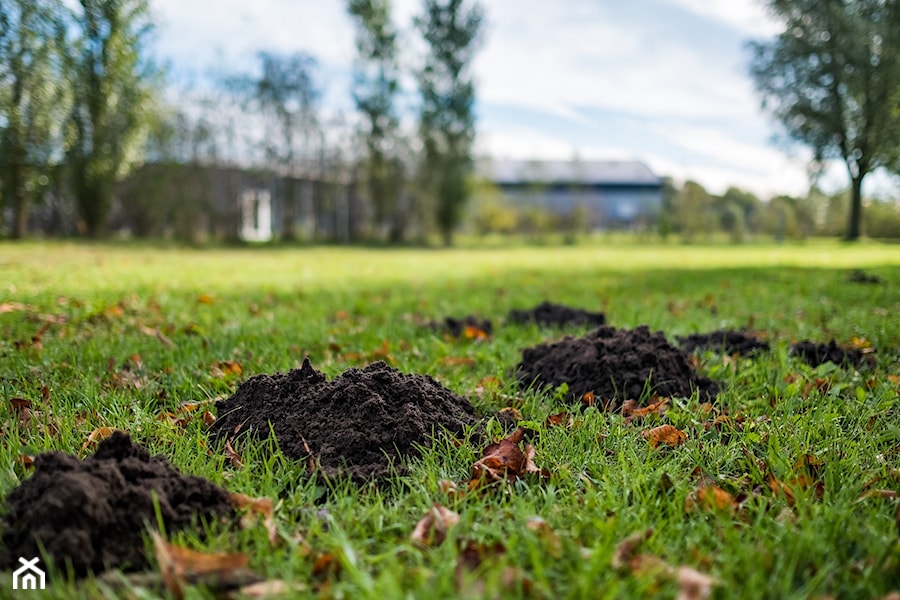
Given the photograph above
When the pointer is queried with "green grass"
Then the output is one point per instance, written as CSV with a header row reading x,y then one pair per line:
x,y
94,307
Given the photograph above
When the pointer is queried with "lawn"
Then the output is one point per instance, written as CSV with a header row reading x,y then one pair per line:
x,y
786,487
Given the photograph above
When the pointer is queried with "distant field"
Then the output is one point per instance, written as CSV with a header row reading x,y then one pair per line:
x,y
110,335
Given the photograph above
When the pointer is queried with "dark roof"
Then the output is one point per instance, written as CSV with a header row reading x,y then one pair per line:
x,y
628,172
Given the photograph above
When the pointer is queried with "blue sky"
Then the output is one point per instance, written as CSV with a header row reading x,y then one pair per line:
x,y
663,81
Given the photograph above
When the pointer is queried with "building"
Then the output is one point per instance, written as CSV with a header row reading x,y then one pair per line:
x,y
614,194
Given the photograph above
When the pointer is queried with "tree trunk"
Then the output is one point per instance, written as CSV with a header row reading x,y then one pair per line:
x,y
853,224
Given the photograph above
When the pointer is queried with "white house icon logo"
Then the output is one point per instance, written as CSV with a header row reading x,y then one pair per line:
x,y
29,576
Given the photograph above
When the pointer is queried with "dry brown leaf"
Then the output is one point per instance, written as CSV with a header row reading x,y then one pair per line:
x,y
471,332
99,434
627,549
780,488
257,507
471,556
456,361
692,584
234,457
588,399
664,434
272,587
156,333
631,411
882,494
20,403
709,497
431,530
209,418
551,540
179,566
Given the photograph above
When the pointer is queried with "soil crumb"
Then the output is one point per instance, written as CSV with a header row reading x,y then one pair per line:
x,y
614,365
358,424
557,315
468,326
815,354
91,513
860,276
727,341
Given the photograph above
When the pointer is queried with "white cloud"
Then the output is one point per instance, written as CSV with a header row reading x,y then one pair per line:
x,y
748,16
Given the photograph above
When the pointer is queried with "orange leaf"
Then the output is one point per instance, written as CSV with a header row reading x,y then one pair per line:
x,y
631,411
710,497
470,332
99,434
177,564
205,299
208,418
588,399
664,434
431,530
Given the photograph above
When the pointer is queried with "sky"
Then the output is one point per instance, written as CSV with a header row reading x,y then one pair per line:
x,y
661,81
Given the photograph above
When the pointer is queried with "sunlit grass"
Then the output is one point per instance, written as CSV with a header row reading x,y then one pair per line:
x,y
181,311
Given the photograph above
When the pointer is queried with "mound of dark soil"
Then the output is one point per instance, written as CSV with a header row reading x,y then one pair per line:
x,y
816,354
727,341
615,365
91,513
457,327
357,424
557,315
860,276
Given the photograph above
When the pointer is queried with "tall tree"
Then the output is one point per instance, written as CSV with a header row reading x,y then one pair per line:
x,y
113,84
451,29
285,98
33,99
832,78
376,83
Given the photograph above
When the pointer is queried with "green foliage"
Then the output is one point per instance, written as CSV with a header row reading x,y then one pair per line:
x,y
882,220
113,85
34,99
451,29
830,77
376,83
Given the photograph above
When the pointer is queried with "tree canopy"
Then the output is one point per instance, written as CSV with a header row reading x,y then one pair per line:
x,y
832,78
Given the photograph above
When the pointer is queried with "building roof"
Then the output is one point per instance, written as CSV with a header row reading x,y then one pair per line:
x,y
622,172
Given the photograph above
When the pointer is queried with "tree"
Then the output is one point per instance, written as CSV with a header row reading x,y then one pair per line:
x,y
113,85
376,83
451,29
285,97
33,100
832,78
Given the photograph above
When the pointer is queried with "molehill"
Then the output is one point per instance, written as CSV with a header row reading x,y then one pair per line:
x,y
614,365
358,424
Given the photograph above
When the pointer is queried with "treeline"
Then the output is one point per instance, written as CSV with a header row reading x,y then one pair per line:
x,y
83,106
692,214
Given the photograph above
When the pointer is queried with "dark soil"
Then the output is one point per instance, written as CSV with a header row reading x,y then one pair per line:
x,y
457,327
357,424
614,365
727,341
816,354
91,513
557,315
860,276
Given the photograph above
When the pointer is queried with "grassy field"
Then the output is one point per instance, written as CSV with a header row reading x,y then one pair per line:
x,y
806,462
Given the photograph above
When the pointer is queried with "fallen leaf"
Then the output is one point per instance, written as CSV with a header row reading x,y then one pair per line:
x,y
208,418
455,361
709,497
588,399
627,549
431,530
179,566
257,507
99,434
470,332
631,411
272,587
471,556
551,540
26,460
504,460
227,368
205,299
562,419
882,494
692,584
326,564
156,333
20,403
664,434
233,456
780,488
14,307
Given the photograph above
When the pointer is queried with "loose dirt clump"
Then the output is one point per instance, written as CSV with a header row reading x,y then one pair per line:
x,y
90,513
557,315
358,424
467,326
614,365
727,341
860,276
815,354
